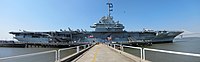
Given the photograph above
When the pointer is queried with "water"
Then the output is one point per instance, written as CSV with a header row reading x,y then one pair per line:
x,y
190,45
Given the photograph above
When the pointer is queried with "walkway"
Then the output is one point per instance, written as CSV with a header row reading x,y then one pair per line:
x,y
102,53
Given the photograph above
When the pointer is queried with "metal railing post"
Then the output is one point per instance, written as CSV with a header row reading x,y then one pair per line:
x,y
143,53
121,47
77,49
88,45
84,46
114,46
58,56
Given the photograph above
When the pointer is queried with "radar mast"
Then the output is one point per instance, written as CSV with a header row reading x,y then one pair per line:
x,y
110,8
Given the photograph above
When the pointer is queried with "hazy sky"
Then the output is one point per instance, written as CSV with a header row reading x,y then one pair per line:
x,y
50,15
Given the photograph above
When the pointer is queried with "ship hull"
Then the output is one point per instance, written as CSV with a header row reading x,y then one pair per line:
x,y
120,37
153,37
166,37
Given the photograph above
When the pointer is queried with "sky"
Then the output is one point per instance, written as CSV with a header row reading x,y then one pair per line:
x,y
51,15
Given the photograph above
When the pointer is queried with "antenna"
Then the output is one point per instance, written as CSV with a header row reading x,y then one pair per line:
x,y
110,8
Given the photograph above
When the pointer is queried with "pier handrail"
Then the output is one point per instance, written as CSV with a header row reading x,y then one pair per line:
x,y
77,52
67,48
133,47
143,50
57,53
170,52
31,54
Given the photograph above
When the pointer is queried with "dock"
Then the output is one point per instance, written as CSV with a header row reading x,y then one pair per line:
x,y
104,53
39,45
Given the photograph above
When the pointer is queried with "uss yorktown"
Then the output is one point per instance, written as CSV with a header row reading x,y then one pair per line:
x,y
106,30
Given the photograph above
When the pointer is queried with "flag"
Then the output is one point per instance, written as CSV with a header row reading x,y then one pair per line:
x,y
91,36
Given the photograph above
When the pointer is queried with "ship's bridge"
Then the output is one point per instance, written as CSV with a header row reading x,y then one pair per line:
x,y
107,24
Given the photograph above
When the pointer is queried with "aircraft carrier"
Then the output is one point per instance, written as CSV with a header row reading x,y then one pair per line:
x,y
106,30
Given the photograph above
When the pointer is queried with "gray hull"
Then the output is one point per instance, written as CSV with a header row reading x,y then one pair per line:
x,y
167,37
154,37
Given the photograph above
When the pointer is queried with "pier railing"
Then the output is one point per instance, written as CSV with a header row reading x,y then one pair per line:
x,y
79,49
31,54
57,53
143,51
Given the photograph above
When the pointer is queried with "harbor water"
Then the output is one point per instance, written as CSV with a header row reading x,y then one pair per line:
x,y
189,45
